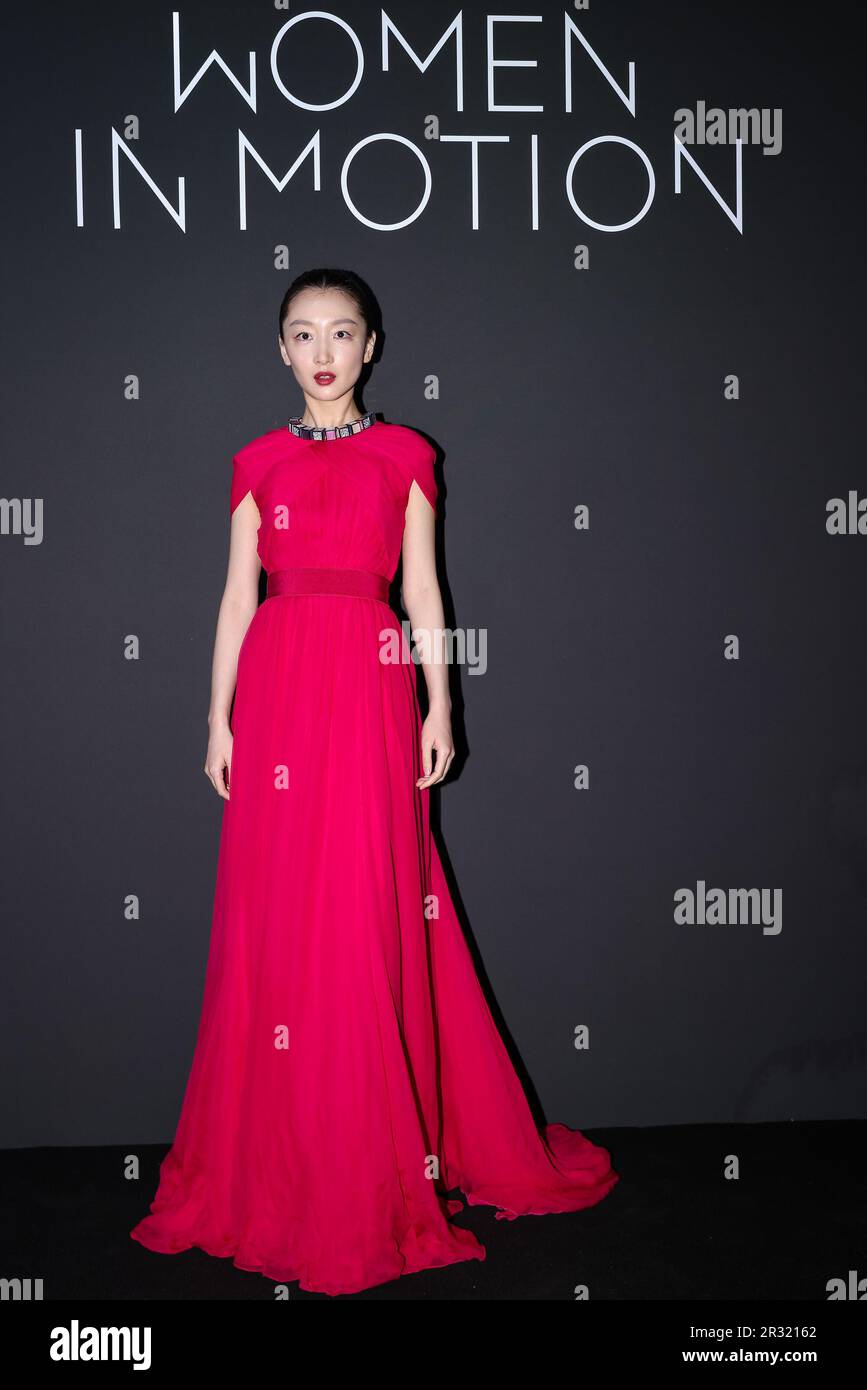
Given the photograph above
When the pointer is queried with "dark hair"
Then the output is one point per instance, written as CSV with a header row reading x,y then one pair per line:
x,y
333,278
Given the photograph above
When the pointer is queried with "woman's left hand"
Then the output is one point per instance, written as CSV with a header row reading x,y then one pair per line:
x,y
436,736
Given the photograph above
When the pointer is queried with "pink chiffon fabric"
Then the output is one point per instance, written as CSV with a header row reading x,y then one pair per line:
x,y
347,1071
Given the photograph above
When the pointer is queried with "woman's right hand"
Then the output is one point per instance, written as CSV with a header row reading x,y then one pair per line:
x,y
218,760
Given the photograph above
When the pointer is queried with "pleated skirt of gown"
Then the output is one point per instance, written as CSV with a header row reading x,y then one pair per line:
x,y
347,1070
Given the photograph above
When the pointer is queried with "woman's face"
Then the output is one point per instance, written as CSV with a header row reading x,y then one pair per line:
x,y
324,342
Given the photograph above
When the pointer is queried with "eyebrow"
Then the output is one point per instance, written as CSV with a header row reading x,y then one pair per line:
x,y
292,322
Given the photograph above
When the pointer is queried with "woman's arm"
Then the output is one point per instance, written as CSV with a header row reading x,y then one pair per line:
x,y
237,607
424,606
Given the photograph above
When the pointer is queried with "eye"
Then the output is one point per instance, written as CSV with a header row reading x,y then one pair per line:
x,y
301,333
346,331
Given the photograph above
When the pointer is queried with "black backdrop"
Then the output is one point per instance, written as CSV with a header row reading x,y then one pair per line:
x,y
547,388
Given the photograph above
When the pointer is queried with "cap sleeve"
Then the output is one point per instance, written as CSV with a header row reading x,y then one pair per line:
x,y
242,482
421,468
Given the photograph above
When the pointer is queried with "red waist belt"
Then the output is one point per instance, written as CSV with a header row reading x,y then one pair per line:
x,y
361,583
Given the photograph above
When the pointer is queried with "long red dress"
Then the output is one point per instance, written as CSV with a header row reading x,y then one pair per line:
x,y
347,1069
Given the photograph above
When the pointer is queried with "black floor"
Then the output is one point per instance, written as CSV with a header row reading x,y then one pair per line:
x,y
673,1228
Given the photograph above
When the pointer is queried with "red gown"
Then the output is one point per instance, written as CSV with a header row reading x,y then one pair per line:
x,y
347,1070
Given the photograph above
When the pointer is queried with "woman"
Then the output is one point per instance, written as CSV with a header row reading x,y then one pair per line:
x,y
347,1070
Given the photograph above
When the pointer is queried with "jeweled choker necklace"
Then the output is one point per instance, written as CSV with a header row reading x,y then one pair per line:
x,y
331,431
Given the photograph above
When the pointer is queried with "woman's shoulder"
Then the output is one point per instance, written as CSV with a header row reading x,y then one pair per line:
x,y
251,462
407,440
263,446
415,455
